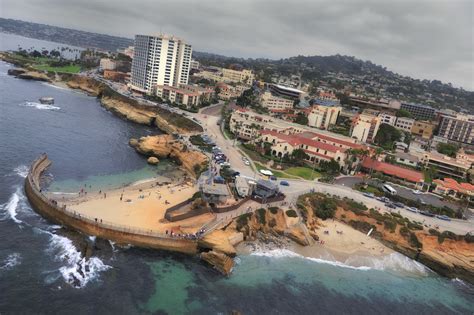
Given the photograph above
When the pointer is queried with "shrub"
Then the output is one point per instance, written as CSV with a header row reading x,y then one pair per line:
x,y
273,210
433,232
261,215
324,208
414,226
362,226
291,213
469,238
390,225
242,220
447,234
414,242
404,231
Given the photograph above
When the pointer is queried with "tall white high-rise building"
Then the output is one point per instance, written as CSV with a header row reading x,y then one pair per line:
x,y
159,60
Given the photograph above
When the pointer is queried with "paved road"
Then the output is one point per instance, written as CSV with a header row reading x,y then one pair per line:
x,y
351,181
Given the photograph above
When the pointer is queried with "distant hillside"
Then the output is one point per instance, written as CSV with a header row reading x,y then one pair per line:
x,y
64,35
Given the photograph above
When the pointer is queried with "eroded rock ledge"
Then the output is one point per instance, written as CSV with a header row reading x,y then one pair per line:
x,y
166,146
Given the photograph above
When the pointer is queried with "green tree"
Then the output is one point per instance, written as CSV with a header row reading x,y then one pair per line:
x,y
299,155
448,149
301,119
386,136
330,167
403,113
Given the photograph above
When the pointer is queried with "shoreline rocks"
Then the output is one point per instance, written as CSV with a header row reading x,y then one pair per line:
x,y
152,160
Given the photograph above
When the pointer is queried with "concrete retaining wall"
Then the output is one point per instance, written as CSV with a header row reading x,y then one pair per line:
x,y
69,218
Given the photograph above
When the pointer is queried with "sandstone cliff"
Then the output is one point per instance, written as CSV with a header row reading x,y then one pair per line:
x,y
219,260
165,146
29,74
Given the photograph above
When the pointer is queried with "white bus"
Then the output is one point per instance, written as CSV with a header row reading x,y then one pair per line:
x,y
389,189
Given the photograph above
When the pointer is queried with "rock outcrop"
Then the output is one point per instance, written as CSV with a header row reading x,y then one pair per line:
x,y
29,75
220,261
152,160
166,146
218,240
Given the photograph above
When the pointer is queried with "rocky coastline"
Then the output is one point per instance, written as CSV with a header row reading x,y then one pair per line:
x,y
167,146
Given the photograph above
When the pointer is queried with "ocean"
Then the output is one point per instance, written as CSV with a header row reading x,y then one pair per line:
x,y
89,145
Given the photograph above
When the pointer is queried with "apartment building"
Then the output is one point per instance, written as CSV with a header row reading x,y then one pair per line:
x,y
404,123
457,167
227,75
365,127
227,92
273,102
284,145
423,129
458,128
285,91
419,111
323,116
159,60
187,95
247,125
389,119
107,64
244,76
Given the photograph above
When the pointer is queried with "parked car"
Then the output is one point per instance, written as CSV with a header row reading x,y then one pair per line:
x,y
273,178
427,213
369,195
390,205
416,192
413,209
443,217
284,183
235,174
399,204
421,201
247,163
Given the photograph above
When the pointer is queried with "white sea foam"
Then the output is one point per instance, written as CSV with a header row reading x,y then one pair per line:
x,y
395,261
77,271
11,261
21,171
9,209
40,106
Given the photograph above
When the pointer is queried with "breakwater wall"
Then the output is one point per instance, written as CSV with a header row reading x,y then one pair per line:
x,y
91,226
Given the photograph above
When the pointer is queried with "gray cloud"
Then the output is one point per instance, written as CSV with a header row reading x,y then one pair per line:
x,y
427,39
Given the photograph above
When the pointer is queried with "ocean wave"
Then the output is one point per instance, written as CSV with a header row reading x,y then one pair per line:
x,y
78,271
40,106
21,171
11,261
285,253
9,209
393,262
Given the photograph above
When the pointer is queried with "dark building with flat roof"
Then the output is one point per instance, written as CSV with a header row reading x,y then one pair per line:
x,y
419,111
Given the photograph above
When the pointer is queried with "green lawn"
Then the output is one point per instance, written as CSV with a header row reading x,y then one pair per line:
x,y
276,173
65,69
303,172
255,156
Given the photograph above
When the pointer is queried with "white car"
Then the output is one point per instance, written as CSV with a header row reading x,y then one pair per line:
x,y
416,192
247,162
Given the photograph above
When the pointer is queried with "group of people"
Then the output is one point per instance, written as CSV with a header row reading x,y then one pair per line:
x,y
189,236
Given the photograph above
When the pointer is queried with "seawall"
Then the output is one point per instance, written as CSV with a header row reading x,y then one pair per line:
x,y
89,226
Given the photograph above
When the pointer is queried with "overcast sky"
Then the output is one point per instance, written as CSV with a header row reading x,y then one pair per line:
x,y
423,39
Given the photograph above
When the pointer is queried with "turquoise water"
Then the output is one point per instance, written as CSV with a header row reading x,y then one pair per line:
x,y
164,170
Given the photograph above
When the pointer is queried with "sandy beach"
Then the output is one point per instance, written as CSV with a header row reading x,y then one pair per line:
x,y
139,205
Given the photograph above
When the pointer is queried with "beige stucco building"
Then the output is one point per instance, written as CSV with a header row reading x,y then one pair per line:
x,y
273,102
323,116
365,127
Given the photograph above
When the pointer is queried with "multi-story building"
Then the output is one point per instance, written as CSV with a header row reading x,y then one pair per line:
x,y
458,128
389,119
419,111
365,127
283,144
195,64
159,60
323,116
285,91
247,125
244,76
107,64
273,102
423,129
457,167
227,92
188,95
404,123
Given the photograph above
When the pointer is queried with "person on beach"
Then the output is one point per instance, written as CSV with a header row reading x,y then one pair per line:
x,y
121,197
105,196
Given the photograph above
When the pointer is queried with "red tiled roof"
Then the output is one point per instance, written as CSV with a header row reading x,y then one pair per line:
x,y
393,170
452,184
297,140
318,154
